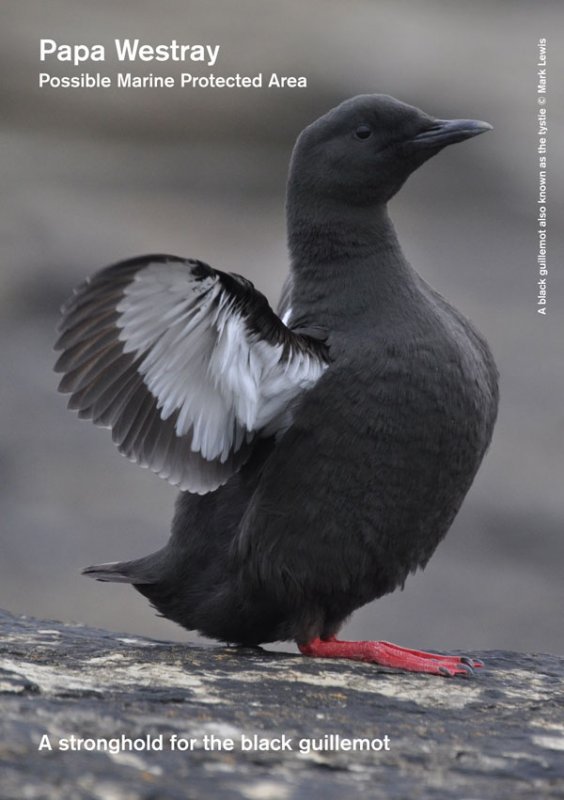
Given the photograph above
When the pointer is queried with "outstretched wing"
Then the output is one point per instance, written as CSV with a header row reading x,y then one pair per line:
x,y
185,364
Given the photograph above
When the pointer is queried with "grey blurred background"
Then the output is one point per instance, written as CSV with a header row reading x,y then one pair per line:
x,y
90,177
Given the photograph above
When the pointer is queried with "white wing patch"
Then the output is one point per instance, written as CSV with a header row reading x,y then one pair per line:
x,y
287,316
200,359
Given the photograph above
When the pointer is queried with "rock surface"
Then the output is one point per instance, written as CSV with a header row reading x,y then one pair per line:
x,y
497,735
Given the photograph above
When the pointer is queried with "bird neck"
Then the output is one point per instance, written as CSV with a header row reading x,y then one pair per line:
x,y
348,263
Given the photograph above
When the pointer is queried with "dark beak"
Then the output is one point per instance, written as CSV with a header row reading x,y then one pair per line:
x,y
450,131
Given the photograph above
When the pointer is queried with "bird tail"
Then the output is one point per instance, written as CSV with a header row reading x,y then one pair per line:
x,y
140,571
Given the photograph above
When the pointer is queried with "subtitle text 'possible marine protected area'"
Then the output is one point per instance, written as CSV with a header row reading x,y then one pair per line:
x,y
127,80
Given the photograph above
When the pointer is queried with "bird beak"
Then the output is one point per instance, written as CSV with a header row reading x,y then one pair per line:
x,y
450,131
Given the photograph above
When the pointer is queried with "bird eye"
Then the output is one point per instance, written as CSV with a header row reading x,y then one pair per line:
x,y
363,132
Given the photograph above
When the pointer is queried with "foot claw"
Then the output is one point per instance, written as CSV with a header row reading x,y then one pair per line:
x,y
459,671
475,663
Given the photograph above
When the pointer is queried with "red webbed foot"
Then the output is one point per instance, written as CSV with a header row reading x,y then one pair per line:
x,y
391,655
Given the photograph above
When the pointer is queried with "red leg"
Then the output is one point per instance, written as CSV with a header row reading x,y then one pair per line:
x,y
391,655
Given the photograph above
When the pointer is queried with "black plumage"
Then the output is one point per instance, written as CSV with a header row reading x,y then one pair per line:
x,y
330,452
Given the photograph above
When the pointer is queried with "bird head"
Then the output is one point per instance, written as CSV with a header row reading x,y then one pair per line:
x,y
361,152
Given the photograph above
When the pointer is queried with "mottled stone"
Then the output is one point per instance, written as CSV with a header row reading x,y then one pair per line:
x,y
498,735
